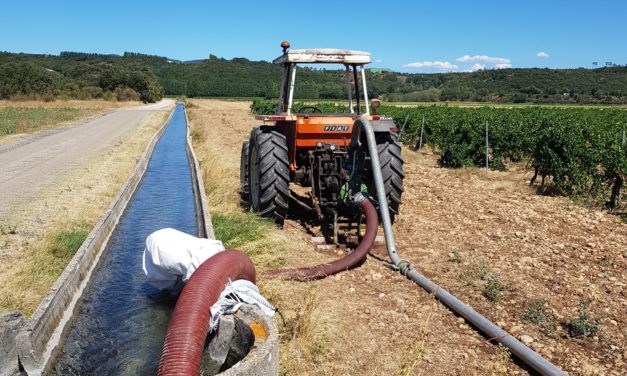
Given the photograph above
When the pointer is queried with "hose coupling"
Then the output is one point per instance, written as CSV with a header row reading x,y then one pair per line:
x,y
403,267
360,197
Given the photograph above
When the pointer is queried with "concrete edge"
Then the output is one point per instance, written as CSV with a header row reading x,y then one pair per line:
x,y
42,332
264,359
205,227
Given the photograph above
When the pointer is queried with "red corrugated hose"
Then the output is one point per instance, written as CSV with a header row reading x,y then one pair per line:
x,y
191,319
345,263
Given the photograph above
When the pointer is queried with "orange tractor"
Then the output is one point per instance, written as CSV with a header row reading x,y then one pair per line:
x,y
309,148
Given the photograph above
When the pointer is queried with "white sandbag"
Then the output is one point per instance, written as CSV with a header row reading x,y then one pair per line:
x,y
234,295
172,256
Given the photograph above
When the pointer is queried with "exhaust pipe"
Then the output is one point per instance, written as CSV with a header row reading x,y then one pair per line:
x,y
524,353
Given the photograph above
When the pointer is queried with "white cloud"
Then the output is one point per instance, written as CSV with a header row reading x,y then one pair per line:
x,y
483,59
542,54
476,67
442,65
377,61
502,66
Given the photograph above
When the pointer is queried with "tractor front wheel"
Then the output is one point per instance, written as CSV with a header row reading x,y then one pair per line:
x,y
268,174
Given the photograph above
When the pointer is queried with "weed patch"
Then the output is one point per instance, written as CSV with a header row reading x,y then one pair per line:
x,y
8,230
474,271
537,312
456,256
583,325
494,288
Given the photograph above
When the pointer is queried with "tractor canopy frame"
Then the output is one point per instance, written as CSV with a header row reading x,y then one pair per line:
x,y
352,60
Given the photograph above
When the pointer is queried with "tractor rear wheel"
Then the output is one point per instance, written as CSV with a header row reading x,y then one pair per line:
x,y
244,191
391,161
268,174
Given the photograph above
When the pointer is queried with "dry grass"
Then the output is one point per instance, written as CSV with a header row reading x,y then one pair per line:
x,y
91,104
22,117
47,228
416,357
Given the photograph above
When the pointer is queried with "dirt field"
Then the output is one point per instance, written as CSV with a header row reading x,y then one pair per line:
x,y
57,193
477,234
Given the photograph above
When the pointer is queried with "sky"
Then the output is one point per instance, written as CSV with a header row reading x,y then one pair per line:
x,y
408,36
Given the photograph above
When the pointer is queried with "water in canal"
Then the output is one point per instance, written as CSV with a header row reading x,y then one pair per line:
x,y
119,327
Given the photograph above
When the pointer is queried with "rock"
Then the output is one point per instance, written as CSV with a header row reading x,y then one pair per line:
x,y
527,340
526,260
515,329
215,353
10,325
377,276
382,295
589,369
243,340
228,345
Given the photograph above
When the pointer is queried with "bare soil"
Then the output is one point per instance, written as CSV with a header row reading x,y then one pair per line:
x,y
457,227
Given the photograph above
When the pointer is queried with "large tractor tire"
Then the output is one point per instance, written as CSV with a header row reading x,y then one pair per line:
x,y
244,191
268,174
392,170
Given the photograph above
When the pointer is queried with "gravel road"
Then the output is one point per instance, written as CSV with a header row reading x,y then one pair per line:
x,y
30,163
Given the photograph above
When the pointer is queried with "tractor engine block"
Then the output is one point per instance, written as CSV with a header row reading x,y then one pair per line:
x,y
327,174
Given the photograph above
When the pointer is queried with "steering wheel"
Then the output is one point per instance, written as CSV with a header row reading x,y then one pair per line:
x,y
313,109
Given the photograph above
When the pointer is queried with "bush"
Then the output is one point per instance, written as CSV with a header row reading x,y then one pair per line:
x,y
124,94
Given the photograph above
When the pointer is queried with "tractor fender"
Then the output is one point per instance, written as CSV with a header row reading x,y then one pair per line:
x,y
383,125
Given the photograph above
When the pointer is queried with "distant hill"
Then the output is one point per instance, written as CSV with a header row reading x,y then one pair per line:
x,y
80,76
74,74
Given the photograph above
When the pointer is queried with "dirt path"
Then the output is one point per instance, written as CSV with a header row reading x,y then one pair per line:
x,y
55,205
459,227
28,164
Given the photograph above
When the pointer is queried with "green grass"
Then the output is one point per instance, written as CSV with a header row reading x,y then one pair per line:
x,y
25,120
237,230
64,244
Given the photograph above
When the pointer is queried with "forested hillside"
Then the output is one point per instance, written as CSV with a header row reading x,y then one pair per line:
x,y
80,75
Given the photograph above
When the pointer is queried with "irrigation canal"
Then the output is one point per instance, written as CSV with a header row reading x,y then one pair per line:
x,y
120,325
